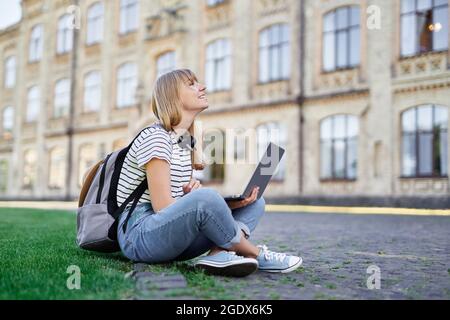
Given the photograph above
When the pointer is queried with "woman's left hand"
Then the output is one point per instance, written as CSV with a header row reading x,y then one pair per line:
x,y
242,203
192,185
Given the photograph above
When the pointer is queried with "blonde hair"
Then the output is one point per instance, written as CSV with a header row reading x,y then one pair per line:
x,y
166,105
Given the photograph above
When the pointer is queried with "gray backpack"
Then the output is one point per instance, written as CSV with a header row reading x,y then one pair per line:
x,y
98,213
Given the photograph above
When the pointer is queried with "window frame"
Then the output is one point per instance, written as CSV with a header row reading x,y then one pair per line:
x,y
124,77
64,35
336,30
416,134
33,102
95,19
415,13
165,59
333,140
35,45
219,61
124,11
88,88
8,108
275,45
61,94
9,80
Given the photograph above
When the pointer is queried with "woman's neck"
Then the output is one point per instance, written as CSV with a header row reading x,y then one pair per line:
x,y
184,125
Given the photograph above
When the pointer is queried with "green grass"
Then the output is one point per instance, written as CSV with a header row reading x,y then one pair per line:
x,y
37,247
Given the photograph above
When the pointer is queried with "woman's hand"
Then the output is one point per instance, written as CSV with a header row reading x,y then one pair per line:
x,y
235,204
192,185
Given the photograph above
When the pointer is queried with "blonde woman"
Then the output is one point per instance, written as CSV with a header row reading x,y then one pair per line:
x,y
177,219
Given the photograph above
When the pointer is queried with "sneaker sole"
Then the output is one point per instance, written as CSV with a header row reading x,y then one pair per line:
x,y
240,269
290,269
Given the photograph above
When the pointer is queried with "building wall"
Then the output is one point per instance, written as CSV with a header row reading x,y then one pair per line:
x,y
376,92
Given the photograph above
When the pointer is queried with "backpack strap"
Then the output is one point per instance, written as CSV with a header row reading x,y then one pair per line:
x,y
139,192
102,179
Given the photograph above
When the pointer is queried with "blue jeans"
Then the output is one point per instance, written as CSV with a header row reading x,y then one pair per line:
x,y
187,228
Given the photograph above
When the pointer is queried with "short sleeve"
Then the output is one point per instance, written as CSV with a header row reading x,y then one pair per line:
x,y
153,144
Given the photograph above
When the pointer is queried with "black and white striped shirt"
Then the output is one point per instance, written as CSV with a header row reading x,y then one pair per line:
x,y
154,142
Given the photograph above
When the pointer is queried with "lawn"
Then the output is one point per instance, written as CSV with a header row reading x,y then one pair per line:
x,y
37,247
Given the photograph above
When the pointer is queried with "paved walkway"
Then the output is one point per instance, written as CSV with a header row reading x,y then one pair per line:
x,y
411,252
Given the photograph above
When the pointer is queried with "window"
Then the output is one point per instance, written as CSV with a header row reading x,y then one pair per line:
x,y
128,16
218,65
126,85
214,150
65,34
424,26
425,141
36,45
95,24
341,39
10,72
241,142
8,119
274,57
276,133
57,170
338,147
165,63
212,3
3,176
33,104
86,161
62,98
92,91
29,169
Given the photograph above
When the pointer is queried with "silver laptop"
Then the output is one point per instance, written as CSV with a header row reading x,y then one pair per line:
x,y
263,173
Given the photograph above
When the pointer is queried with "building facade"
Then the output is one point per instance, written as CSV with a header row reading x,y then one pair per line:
x,y
358,92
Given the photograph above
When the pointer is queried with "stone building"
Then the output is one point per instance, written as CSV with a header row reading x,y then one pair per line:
x,y
358,92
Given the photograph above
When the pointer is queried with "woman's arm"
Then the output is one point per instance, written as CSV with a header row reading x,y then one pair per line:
x,y
158,177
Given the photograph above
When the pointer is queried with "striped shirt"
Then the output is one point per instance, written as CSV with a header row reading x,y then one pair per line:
x,y
154,142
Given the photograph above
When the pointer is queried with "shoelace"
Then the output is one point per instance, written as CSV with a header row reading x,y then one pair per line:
x,y
270,255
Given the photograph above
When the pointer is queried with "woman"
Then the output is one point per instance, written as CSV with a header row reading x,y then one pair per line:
x,y
177,219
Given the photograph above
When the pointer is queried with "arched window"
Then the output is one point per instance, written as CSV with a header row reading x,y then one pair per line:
x,y
29,169
214,151
272,132
92,91
338,147
129,16
218,65
10,72
33,104
94,24
65,34
62,98
3,176
57,172
126,85
86,159
274,55
424,26
165,63
36,44
8,119
425,141
341,38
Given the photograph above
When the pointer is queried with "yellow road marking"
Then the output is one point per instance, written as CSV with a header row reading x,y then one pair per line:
x,y
357,210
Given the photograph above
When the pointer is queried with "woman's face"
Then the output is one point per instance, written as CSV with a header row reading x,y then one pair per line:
x,y
193,96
